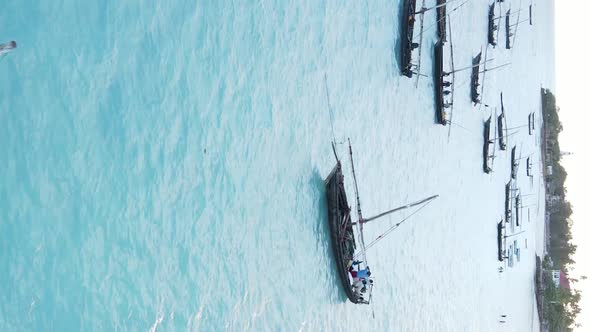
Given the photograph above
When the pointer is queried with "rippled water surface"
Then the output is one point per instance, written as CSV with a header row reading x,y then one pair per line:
x,y
163,164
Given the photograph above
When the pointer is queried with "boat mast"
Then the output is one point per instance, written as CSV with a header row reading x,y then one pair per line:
x,y
515,234
500,66
392,228
358,208
465,68
453,72
364,221
424,9
356,188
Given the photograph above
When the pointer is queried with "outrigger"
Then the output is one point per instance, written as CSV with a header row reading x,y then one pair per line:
x,y
342,229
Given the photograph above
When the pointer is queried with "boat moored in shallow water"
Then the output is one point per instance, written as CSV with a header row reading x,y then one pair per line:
x,y
347,236
407,37
486,146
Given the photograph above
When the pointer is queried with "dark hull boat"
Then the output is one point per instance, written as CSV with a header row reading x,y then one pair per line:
x,y
441,117
530,123
486,146
502,129
513,163
407,37
501,242
492,27
441,19
529,167
358,288
342,234
475,78
507,208
508,33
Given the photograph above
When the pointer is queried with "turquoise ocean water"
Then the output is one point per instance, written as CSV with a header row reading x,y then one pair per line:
x,y
162,168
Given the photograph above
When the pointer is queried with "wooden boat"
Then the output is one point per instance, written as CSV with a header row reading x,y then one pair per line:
x,y
407,37
492,27
501,131
529,167
513,163
441,114
501,242
475,78
507,201
486,145
502,128
508,33
341,228
441,19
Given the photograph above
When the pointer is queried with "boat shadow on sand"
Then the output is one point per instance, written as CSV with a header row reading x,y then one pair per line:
x,y
322,231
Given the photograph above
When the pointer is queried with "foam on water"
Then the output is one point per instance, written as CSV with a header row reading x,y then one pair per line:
x,y
163,164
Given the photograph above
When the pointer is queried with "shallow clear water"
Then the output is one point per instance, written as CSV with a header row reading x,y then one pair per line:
x,y
163,163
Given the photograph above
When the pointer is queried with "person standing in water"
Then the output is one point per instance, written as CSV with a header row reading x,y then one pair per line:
x,y
6,48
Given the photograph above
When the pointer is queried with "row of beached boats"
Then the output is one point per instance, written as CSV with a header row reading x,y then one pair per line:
x,y
501,138
444,70
347,231
509,250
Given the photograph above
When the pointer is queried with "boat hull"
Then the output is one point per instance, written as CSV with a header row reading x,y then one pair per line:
x,y
441,19
438,84
341,232
491,30
475,79
501,125
407,37
513,163
500,229
486,146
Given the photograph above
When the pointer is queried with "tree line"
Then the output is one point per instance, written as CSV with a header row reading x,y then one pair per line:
x,y
561,306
